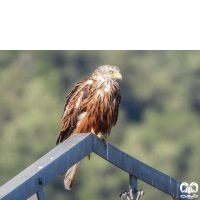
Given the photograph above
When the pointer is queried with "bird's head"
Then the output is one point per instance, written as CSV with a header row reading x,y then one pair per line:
x,y
107,72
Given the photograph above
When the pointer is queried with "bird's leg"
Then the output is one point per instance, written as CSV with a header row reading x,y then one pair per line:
x,y
102,137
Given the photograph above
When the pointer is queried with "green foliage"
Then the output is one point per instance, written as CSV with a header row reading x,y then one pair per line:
x,y
158,121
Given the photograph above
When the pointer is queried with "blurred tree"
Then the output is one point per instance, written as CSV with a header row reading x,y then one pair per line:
x,y
158,120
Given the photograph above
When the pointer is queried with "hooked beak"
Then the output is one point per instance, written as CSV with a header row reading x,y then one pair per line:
x,y
118,76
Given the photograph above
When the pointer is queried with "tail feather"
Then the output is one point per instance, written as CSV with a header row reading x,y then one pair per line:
x,y
70,176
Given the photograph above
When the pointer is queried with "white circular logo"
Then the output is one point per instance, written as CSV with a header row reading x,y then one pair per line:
x,y
186,188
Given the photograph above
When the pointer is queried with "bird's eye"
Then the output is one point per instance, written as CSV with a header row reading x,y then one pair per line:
x,y
110,71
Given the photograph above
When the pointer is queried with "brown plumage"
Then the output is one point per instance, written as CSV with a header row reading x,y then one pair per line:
x,y
92,105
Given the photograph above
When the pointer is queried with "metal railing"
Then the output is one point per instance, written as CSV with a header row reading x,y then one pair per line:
x,y
34,178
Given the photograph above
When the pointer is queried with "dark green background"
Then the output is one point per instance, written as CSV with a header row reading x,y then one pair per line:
x,y
159,119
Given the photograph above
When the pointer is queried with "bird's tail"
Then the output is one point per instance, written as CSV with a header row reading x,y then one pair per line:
x,y
70,176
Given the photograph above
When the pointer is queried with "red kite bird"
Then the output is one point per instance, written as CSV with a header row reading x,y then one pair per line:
x,y
92,106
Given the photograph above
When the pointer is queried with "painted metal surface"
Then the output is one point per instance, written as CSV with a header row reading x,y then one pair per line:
x,y
47,168
74,149
138,169
40,195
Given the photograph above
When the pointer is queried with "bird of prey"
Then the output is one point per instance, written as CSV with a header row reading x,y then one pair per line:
x,y
92,106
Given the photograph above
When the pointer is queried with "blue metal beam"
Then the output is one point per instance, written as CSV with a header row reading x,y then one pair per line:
x,y
138,169
72,150
40,195
47,168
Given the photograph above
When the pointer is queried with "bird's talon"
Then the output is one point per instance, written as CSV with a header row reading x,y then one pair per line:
x,y
92,131
102,137
105,142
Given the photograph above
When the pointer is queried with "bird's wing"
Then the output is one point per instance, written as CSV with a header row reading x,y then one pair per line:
x,y
76,104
